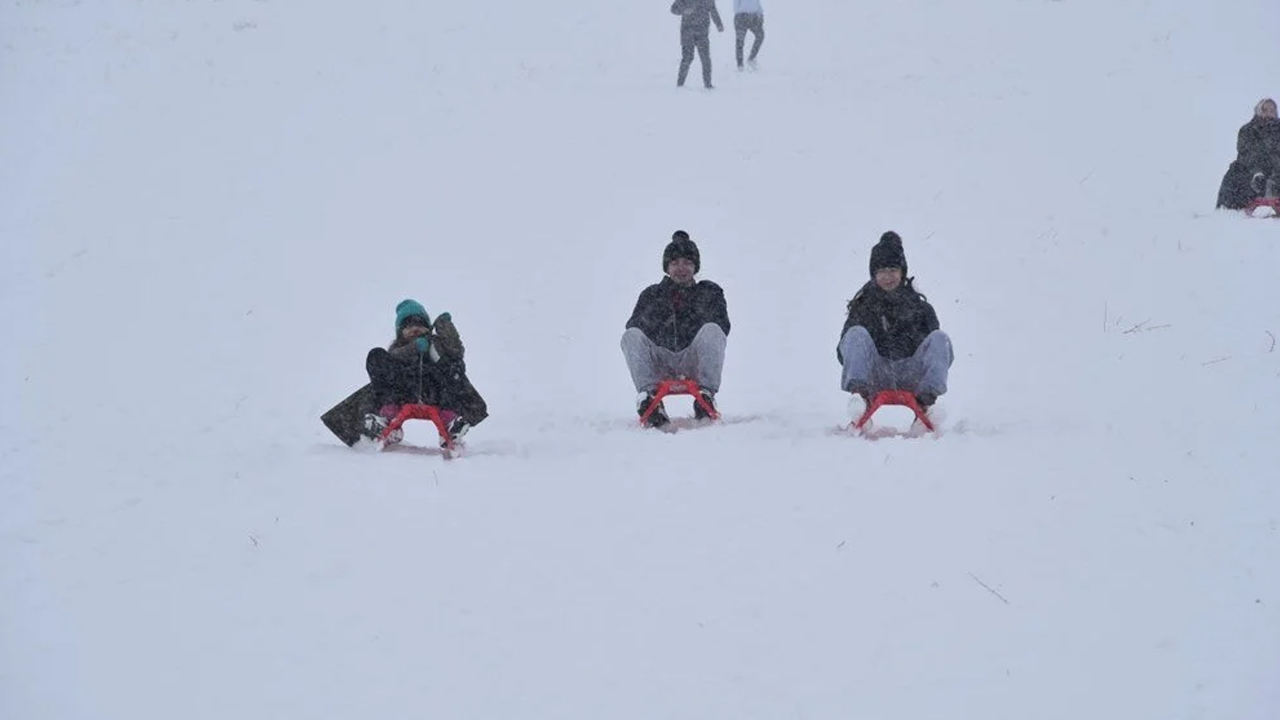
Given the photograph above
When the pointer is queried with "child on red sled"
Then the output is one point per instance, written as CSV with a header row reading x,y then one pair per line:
x,y
423,365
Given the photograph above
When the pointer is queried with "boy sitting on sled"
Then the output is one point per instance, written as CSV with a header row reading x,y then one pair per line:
x,y
679,328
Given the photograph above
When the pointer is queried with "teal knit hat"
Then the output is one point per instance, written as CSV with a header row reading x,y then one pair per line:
x,y
410,308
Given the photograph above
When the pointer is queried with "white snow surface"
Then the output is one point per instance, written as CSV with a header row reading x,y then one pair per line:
x,y
210,210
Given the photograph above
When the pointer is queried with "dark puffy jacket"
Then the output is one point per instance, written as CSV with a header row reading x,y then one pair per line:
x,y
670,314
696,16
1257,151
401,374
898,321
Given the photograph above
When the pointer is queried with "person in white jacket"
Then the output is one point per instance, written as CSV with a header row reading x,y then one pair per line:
x,y
748,15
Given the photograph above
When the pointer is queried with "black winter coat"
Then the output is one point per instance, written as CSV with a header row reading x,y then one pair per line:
x,y
696,16
1257,151
898,321
670,314
400,374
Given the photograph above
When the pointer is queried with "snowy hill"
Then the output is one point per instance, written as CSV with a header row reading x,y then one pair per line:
x,y
211,209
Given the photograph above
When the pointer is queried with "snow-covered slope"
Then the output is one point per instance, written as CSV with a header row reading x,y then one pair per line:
x,y
211,209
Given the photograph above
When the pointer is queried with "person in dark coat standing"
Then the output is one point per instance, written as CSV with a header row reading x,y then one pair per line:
x,y
892,339
696,17
679,328
1255,172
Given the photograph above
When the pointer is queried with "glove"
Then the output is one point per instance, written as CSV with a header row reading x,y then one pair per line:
x,y
1258,182
423,344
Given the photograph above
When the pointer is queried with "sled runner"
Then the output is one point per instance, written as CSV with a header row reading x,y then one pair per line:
x,y
678,387
421,412
893,397
346,420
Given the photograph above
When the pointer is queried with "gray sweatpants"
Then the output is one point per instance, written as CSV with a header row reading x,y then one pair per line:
x,y
650,364
925,371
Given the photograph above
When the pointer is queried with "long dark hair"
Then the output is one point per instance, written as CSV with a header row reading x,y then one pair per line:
x,y
909,283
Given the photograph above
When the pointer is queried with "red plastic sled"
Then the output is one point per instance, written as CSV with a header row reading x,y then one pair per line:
x,y
678,387
893,397
1256,203
420,412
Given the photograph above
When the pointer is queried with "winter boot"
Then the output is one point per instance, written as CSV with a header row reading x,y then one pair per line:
x,y
658,417
859,401
374,424
699,412
456,429
935,413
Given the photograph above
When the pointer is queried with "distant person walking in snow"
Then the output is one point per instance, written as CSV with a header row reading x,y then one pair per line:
x,y
1256,170
696,17
891,338
747,15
